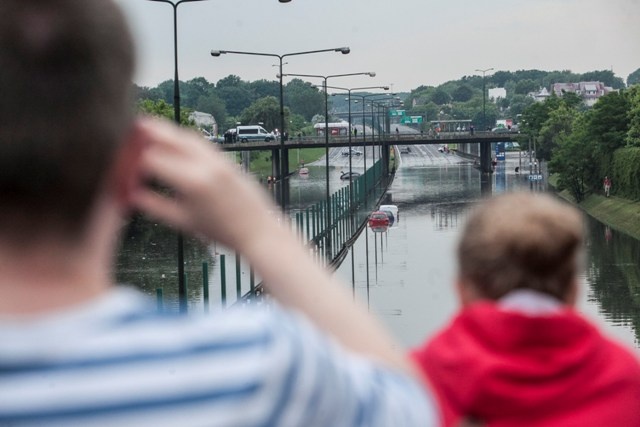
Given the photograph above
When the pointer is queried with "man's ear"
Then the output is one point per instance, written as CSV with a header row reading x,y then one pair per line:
x,y
126,176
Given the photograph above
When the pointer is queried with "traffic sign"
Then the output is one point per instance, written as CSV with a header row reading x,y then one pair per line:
x,y
395,113
411,119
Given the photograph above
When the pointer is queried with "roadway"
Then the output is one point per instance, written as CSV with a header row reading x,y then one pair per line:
x,y
424,155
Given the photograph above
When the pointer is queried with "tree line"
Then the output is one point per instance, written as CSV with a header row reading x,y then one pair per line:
x,y
583,145
462,99
232,100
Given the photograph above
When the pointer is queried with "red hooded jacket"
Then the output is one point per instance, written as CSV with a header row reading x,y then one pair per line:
x,y
506,368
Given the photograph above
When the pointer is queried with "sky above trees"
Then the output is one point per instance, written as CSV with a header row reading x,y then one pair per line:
x,y
407,43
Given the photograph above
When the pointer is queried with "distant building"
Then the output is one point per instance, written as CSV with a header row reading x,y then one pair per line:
x,y
588,91
497,93
204,121
541,95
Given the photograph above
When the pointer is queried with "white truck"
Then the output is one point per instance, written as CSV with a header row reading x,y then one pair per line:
x,y
253,133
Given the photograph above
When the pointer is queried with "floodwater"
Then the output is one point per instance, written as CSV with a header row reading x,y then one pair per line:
x,y
412,266
407,273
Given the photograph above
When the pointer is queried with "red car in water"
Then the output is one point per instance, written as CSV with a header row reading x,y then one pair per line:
x,y
378,219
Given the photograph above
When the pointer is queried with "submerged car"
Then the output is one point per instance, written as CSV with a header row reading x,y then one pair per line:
x,y
345,176
353,152
379,219
391,211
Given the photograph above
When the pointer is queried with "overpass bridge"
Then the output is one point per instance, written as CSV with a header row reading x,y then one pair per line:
x,y
484,139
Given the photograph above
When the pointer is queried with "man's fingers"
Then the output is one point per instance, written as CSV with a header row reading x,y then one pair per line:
x,y
160,207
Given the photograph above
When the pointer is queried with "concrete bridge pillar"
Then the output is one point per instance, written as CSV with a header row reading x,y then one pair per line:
x,y
386,158
275,163
485,157
285,162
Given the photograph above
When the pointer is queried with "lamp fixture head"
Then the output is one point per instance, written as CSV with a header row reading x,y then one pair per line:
x,y
343,50
371,74
217,53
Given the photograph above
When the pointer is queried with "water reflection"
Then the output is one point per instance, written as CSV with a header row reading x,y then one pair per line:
x,y
148,260
613,276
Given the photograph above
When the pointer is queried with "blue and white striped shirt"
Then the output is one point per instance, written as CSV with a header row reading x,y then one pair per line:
x,y
115,362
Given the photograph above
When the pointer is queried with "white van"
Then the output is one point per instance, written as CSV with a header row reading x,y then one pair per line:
x,y
253,133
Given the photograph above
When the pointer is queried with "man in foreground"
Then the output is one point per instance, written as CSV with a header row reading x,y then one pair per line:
x,y
517,354
78,351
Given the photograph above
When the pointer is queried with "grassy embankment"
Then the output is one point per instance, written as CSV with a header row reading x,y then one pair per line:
x,y
261,165
621,214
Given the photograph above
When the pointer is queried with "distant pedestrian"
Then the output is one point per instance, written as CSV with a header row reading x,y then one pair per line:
x,y
355,132
471,129
607,186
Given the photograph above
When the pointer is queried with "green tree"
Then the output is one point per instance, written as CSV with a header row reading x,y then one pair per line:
x,y
304,98
192,90
633,134
265,110
634,78
519,103
235,98
213,105
462,93
429,111
440,97
605,76
498,78
161,108
526,86
608,122
296,124
574,160
262,88
143,92
558,126
230,81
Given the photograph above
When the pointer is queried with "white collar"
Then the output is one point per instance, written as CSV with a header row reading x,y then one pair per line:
x,y
530,302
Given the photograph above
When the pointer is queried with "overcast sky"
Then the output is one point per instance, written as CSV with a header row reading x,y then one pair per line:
x,y
408,43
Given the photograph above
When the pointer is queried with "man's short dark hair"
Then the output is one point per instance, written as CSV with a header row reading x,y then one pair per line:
x,y
65,79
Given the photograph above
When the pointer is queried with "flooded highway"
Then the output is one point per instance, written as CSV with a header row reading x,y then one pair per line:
x,y
407,273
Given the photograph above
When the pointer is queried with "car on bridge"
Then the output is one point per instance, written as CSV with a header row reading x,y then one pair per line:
x,y
253,133
353,151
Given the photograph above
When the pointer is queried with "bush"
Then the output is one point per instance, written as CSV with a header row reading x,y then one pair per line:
x,y
626,172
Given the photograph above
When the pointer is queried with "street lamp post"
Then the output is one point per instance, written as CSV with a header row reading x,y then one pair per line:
x,y
326,136
484,98
485,153
364,134
217,53
349,90
182,289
